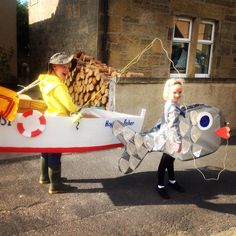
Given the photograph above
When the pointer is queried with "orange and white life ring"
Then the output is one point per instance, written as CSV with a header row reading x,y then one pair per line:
x,y
31,123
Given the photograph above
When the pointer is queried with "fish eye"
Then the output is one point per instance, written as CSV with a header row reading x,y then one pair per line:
x,y
204,120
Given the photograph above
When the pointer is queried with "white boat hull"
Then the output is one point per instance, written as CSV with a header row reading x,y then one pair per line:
x,y
60,134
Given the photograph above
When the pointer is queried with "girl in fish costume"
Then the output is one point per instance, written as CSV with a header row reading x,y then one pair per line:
x,y
165,137
170,124
186,133
59,103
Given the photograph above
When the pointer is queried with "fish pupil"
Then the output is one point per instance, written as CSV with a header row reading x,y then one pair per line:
x,y
205,120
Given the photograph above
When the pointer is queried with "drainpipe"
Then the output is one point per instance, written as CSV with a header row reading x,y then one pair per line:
x,y
104,48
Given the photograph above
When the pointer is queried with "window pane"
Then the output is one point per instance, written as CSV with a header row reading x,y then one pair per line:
x,y
182,29
205,31
202,58
179,57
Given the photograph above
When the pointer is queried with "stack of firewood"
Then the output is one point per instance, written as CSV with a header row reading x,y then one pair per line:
x,y
88,83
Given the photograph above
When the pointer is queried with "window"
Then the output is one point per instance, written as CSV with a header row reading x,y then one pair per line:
x,y
191,54
204,49
181,45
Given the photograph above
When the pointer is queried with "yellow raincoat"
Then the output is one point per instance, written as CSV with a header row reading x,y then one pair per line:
x,y
56,96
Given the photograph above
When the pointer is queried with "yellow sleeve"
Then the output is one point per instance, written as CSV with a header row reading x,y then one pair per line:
x,y
62,94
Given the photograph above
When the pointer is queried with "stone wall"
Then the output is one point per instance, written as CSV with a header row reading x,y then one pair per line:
x,y
148,95
59,25
133,24
8,31
117,31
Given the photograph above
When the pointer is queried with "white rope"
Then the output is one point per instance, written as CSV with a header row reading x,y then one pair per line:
x,y
137,58
28,87
134,61
220,172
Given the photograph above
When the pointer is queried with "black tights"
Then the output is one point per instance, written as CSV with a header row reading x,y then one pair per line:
x,y
167,162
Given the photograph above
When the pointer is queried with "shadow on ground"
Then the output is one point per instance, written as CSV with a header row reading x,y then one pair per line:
x,y
139,189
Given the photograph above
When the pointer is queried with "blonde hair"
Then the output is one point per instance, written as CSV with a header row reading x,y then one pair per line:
x,y
169,83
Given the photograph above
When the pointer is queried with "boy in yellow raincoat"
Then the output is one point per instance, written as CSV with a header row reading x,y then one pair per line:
x,y
59,103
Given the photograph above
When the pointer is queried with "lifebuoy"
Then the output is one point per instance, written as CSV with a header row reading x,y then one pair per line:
x,y
31,123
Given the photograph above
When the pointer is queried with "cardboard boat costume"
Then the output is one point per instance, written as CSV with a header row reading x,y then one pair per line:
x,y
201,129
25,128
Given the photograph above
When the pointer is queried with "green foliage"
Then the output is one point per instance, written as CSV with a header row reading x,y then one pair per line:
x,y
5,70
22,25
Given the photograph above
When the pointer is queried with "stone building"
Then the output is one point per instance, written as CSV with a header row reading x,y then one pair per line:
x,y
8,44
117,31
198,35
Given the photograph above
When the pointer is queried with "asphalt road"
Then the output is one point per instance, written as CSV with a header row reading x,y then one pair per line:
x,y
107,202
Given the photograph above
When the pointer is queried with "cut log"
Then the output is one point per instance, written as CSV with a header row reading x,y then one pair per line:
x,y
91,77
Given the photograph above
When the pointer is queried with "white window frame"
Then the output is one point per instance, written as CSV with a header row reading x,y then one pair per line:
x,y
207,42
183,40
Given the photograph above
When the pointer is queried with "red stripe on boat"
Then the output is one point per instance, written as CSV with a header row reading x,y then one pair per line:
x,y
61,149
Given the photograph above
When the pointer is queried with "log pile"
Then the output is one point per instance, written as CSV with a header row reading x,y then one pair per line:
x,y
88,83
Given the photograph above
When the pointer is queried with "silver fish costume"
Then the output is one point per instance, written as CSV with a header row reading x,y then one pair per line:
x,y
202,128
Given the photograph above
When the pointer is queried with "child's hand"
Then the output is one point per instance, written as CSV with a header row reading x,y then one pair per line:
x,y
76,117
178,148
